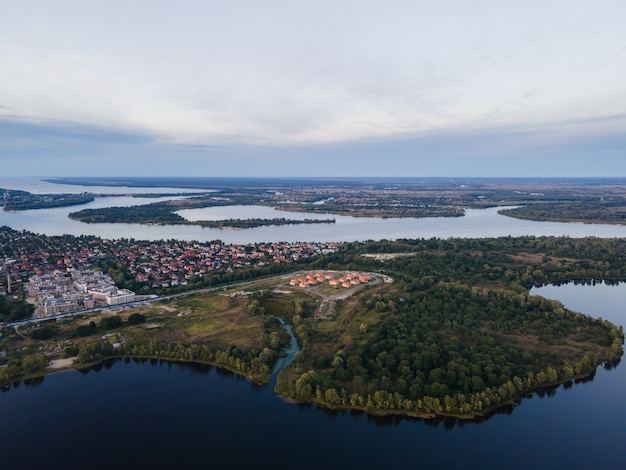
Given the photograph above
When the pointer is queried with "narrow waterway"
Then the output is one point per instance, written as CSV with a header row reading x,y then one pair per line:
x,y
287,354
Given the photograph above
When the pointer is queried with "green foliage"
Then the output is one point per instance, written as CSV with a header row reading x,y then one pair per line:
x,y
251,362
71,350
94,352
14,309
86,330
33,363
45,333
28,364
119,273
136,318
444,345
109,323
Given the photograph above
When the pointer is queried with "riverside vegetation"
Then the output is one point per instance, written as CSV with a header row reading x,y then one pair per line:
x,y
455,334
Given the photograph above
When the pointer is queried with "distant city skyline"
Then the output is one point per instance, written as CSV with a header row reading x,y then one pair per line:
x,y
486,88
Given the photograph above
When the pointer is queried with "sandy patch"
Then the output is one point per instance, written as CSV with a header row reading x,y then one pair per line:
x,y
386,256
61,363
281,291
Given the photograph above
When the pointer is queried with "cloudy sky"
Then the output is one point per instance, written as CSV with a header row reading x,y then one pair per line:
x,y
288,88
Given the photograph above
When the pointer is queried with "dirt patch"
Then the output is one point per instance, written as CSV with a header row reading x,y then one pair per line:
x,y
539,258
166,308
527,258
61,363
386,256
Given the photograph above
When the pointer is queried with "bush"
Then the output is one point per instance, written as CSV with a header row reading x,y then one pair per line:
x,y
47,332
136,318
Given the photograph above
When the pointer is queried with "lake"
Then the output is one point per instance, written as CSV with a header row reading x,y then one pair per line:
x,y
129,414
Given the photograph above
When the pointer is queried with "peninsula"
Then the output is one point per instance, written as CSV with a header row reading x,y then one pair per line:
x,y
415,327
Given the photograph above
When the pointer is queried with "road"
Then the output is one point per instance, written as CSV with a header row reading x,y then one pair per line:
x,y
343,295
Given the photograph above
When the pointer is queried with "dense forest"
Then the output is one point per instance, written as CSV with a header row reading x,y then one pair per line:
x,y
163,214
457,333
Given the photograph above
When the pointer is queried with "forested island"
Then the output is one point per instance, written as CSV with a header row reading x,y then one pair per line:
x,y
161,214
14,200
452,331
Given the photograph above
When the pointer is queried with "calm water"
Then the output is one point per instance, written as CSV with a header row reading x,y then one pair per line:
x,y
37,186
476,223
131,414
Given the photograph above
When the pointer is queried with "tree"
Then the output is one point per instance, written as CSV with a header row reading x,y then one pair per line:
x,y
136,318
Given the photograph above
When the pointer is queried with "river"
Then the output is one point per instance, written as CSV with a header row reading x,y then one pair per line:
x,y
475,224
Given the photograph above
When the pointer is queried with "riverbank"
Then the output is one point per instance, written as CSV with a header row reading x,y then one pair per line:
x,y
505,406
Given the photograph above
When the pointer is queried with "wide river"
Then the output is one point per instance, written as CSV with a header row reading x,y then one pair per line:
x,y
475,224
131,414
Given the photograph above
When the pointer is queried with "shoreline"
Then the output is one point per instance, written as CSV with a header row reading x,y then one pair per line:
x,y
67,364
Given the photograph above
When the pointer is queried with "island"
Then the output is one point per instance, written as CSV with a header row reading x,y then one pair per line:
x,y
422,328
590,200
163,213
14,200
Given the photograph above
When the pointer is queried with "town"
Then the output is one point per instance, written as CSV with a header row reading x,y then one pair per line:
x,y
46,266
59,292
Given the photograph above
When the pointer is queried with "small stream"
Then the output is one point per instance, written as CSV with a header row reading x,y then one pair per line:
x,y
290,352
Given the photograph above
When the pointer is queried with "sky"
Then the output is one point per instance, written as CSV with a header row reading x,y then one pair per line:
x,y
323,88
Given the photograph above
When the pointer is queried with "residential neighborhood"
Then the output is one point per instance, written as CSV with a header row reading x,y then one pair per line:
x,y
32,259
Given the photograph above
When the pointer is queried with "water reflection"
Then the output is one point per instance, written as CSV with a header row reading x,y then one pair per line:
x,y
546,391
584,380
34,381
613,364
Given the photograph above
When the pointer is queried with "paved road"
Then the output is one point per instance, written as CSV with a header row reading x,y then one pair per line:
x,y
344,294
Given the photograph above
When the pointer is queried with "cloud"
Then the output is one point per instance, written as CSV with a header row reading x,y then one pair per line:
x,y
270,73
15,131
321,88
65,150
